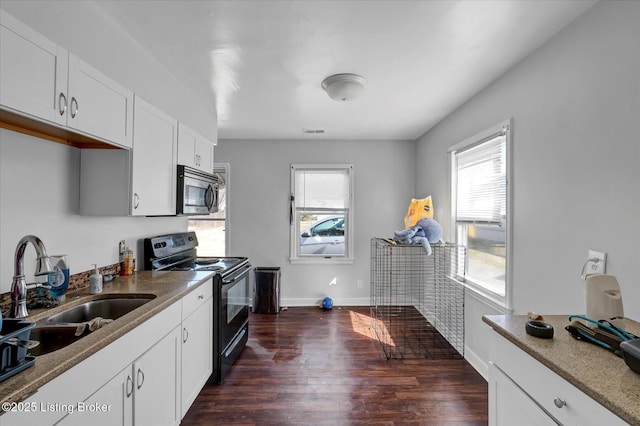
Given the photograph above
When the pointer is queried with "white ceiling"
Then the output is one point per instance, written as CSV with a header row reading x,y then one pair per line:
x,y
262,62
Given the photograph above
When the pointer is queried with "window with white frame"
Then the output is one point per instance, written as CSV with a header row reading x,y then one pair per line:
x,y
480,209
321,214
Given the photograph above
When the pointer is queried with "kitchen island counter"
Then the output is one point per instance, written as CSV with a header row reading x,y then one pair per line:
x,y
167,287
596,371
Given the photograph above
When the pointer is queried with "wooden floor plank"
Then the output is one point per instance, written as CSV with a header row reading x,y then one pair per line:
x,y
316,367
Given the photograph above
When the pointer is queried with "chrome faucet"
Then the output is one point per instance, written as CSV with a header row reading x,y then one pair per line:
x,y
19,285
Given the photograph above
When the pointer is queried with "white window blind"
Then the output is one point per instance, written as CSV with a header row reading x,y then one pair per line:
x,y
481,181
322,189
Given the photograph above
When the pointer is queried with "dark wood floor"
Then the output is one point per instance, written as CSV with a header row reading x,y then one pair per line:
x,y
311,366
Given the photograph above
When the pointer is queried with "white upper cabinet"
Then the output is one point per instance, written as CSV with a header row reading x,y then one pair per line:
x,y
154,161
33,71
140,182
194,150
98,106
41,80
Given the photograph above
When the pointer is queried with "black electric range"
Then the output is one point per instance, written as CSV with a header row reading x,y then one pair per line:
x,y
178,252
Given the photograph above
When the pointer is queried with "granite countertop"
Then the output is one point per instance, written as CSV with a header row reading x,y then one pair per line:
x,y
596,371
167,287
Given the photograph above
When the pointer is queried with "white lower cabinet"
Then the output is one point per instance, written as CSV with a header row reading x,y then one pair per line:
x,y
156,381
149,376
510,405
133,380
197,343
144,393
109,406
523,391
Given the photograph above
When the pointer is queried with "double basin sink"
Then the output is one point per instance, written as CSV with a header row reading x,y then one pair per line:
x,y
66,327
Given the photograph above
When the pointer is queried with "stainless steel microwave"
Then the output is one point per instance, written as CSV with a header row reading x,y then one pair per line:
x,y
197,192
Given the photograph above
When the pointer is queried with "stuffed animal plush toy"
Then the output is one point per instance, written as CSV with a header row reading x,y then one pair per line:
x,y
418,209
425,232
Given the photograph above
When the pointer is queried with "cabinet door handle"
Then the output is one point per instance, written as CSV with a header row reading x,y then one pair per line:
x,y
185,335
140,378
559,402
74,109
129,386
136,200
62,103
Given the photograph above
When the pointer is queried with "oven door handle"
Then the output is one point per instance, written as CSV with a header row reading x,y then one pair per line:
x,y
235,342
237,276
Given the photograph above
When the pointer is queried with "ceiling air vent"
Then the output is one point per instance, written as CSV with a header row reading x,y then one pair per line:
x,y
313,131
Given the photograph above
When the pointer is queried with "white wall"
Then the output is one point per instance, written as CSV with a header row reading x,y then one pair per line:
x,y
575,105
259,208
39,194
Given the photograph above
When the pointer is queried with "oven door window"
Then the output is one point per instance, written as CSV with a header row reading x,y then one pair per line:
x,y
237,300
234,310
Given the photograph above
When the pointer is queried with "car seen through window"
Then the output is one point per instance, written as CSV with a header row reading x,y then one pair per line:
x,y
323,237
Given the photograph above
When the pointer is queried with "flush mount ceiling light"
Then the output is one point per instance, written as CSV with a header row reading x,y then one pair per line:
x,y
343,87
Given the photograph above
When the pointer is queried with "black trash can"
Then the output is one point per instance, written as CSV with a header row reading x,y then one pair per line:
x,y
266,290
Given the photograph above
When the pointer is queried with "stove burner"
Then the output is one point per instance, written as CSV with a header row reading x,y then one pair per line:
x,y
181,268
206,260
210,268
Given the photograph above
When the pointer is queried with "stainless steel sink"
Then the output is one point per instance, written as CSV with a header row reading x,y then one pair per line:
x,y
52,338
111,308
59,330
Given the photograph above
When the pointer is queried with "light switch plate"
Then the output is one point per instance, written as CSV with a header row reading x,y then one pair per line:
x,y
596,262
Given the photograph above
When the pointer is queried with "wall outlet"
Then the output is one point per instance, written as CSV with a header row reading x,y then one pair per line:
x,y
121,247
596,262
360,284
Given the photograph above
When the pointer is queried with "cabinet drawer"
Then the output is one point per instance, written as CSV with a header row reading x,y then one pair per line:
x,y
510,405
547,388
196,298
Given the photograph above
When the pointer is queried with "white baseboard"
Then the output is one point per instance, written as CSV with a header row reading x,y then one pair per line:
x,y
476,362
356,301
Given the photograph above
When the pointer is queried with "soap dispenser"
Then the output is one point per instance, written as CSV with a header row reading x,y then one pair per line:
x,y
95,281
